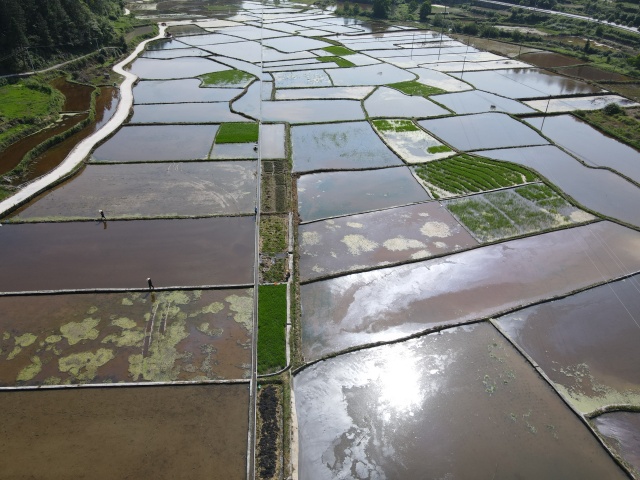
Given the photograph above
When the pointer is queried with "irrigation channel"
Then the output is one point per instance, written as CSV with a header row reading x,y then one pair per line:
x,y
312,247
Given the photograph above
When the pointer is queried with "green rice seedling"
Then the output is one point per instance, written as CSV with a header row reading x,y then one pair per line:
x,y
226,78
395,125
341,62
339,51
272,320
438,149
237,133
416,88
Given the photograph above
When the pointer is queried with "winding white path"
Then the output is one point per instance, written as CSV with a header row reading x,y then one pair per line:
x,y
83,149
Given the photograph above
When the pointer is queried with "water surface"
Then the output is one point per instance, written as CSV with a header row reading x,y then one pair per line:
x,y
187,90
621,430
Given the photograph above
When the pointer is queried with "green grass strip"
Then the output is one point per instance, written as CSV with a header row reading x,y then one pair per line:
x,y
395,125
341,62
339,51
272,320
237,133
226,78
438,149
416,88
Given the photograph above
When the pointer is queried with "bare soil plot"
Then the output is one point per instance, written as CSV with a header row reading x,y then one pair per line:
x,y
148,190
378,411
508,213
549,59
122,254
157,143
339,146
586,343
331,194
159,432
395,302
379,238
125,337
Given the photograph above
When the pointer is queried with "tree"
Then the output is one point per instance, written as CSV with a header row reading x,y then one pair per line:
x,y
381,8
425,10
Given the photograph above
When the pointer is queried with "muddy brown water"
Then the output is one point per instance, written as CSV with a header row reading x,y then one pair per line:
x,y
461,404
331,194
150,190
587,72
157,143
589,144
152,432
125,337
549,59
621,430
77,96
122,254
391,303
586,343
378,238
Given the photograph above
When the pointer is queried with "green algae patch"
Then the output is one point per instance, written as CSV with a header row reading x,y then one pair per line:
x,y
207,330
53,338
227,78
92,310
128,338
25,339
84,366
237,133
127,302
30,371
243,308
75,332
124,323
177,297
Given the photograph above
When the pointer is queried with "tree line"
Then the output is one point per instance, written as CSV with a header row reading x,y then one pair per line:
x,y
32,31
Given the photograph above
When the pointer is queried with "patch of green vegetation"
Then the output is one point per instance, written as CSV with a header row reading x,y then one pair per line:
x,y
243,308
75,332
31,370
237,133
272,320
338,51
543,196
439,149
273,234
416,88
227,78
482,218
624,125
84,366
272,269
341,62
466,174
24,99
395,125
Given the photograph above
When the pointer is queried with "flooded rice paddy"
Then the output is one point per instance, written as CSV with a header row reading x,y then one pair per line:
x,y
389,103
148,190
396,302
122,254
182,67
483,131
597,189
590,145
401,411
586,344
186,113
621,430
309,111
187,90
332,194
125,337
152,431
342,146
477,101
379,238
555,105
157,143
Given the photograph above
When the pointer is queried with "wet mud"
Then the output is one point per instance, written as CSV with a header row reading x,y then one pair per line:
x,y
621,430
122,254
153,432
406,410
395,302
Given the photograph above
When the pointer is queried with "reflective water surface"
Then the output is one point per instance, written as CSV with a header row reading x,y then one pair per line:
x,y
399,301
462,404
621,430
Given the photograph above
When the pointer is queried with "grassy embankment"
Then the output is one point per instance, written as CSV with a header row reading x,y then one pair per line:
x,y
272,320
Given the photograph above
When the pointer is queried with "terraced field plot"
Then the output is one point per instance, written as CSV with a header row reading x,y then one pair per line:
x,y
185,113
411,143
513,212
389,103
390,303
588,346
422,395
342,146
206,251
125,337
332,194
